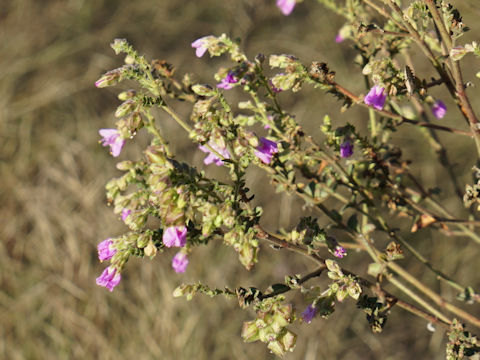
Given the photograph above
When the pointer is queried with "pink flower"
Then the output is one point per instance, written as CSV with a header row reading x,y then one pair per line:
x,y
201,45
125,213
266,150
105,250
112,138
180,262
346,149
340,252
439,109
175,236
227,81
309,314
286,6
109,278
212,157
339,38
376,97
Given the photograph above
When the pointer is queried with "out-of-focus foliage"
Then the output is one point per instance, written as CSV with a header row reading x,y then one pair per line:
x,y
54,212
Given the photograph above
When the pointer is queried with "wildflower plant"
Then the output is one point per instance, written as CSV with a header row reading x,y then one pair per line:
x,y
366,188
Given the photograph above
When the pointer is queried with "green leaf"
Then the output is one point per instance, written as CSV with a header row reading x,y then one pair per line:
x,y
375,269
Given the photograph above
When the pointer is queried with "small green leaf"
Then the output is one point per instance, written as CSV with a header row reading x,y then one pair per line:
x,y
375,269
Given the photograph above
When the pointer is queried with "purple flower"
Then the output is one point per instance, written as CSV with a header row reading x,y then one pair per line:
x,y
227,81
109,278
376,97
266,150
112,138
439,109
286,6
201,45
180,262
340,252
175,236
125,213
339,38
105,250
274,88
346,149
212,157
309,314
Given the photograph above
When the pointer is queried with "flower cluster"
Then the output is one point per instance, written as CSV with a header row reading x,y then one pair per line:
x,y
168,203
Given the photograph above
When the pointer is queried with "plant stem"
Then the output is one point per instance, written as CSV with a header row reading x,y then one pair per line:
x,y
437,318
464,102
434,296
418,299
359,101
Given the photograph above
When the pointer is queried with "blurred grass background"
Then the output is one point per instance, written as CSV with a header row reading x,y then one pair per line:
x,y
53,172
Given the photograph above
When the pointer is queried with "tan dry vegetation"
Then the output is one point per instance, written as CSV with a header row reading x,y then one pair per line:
x,y
53,211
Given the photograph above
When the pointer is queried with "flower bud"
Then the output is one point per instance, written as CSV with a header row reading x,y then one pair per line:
x,y
458,52
276,347
129,60
282,82
282,61
288,340
266,334
125,165
341,293
143,240
125,95
203,90
354,290
119,45
260,58
125,108
108,79
250,331
252,139
155,155
182,290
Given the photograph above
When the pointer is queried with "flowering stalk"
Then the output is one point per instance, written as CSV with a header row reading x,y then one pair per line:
x,y
366,192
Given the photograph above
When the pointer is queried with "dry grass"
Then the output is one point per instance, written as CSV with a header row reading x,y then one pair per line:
x,y
53,172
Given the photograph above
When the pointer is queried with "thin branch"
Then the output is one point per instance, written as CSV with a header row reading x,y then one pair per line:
x,y
300,281
359,101
440,319
464,102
